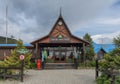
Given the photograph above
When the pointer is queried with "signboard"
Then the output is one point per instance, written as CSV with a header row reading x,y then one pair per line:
x,y
22,57
60,40
22,51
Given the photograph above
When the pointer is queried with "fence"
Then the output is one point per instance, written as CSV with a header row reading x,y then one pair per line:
x,y
5,74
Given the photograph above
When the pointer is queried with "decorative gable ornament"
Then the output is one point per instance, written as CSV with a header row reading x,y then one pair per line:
x,y
60,23
60,36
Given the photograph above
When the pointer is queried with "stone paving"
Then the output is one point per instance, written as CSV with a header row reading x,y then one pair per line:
x,y
61,76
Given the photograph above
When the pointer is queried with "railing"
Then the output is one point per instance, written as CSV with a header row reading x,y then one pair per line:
x,y
5,75
76,63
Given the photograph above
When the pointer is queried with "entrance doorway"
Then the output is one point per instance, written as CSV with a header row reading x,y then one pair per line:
x,y
60,56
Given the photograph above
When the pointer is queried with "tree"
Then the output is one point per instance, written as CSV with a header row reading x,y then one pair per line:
x,y
116,41
89,49
13,59
12,37
111,62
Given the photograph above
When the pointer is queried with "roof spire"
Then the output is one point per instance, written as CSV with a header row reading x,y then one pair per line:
x,y
60,12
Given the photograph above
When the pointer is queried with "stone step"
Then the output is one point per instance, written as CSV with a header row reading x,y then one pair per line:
x,y
59,66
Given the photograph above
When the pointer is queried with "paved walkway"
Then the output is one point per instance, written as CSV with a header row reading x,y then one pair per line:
x,y
69,76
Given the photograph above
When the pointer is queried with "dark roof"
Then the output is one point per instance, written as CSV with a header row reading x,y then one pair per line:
x,y
60,18
39,39
80,39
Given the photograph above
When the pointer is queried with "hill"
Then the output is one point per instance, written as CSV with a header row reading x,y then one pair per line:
x,y
10,40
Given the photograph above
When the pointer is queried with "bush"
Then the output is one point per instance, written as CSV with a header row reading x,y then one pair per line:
x,y
117,81
14,61
49,60
92,63
111,62
32,65
103,79
70,60
89,63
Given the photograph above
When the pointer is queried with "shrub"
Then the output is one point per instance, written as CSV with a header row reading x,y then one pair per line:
x,y
49,60
32,65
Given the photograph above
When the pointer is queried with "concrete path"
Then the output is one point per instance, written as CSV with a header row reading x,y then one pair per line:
x,y
63,76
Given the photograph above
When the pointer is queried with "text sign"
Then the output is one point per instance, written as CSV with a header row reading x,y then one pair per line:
x,y
22,57
57,40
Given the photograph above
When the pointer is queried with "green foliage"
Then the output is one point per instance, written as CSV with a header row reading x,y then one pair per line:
x,y
92,63
111,62
69,60
89,63
103,79
32,65
117,41
10,40
87,37
89,49
116,51
117,81
14,60
49,60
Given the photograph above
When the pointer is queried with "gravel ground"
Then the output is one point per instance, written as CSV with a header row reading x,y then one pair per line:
x,y
63,76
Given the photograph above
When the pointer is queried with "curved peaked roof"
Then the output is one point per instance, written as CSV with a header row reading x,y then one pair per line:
x,y
106,47
64,30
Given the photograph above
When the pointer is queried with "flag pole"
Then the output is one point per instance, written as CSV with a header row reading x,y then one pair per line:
x,y
6,23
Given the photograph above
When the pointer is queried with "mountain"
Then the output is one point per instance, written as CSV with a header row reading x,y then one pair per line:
x,y
9,40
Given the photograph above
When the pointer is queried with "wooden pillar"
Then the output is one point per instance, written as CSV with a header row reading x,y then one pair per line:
x,y
39,54
79,55
37,50
84,56
40,50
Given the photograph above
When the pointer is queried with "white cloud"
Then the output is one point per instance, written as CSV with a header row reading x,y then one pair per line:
x,y
105,38
30,19
108,21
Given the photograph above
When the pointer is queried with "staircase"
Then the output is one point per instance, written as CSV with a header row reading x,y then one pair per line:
x,y
59,66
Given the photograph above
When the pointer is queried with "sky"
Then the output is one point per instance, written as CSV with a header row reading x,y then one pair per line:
x,y
32,19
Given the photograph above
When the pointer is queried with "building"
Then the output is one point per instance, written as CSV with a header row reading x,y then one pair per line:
x,y
6,49
102,49
60,45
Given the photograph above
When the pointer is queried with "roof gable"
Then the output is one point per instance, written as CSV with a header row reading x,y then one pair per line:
x,y
60,28
60,33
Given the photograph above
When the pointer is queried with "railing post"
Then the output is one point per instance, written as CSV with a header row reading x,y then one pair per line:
x,y
76,63
22,70
43,64
5,71
113,79
97,69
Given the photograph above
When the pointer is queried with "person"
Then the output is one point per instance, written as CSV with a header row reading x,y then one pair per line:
x,y
71,56
75,53
43,60
45,54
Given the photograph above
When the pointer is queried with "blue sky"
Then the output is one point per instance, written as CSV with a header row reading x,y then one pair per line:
x,y
32,19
